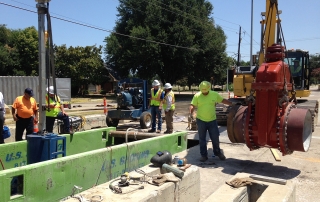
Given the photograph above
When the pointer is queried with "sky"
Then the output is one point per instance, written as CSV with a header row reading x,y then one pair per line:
x,y
300,22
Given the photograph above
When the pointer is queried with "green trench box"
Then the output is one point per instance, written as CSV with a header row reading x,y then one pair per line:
x,y
91,159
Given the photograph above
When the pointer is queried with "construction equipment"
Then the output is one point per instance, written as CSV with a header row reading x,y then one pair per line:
x,y
270,114
131,103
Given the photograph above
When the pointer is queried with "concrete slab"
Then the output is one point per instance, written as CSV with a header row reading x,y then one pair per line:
x,y
187,189
259,191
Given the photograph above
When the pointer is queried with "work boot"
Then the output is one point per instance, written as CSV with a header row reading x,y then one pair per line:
x,y
221,156
203,158
158,131
167,132
151,131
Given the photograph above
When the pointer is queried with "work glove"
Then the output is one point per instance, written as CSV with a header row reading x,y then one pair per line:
x,y
240,182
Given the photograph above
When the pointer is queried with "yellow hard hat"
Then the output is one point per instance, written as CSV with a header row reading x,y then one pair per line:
x,y
204,86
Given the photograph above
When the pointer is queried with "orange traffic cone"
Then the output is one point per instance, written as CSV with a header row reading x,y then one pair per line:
x,y
35,127
105,109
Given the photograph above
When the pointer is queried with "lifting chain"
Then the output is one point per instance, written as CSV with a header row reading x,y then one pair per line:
x,y
293,95
251,98
284,98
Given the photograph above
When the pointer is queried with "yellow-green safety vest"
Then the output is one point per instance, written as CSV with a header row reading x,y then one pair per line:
x,y
53,112
295,70
155,98
173,101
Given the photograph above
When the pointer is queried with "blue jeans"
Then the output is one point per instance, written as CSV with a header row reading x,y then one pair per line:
x,y
50,122
156,112
212,128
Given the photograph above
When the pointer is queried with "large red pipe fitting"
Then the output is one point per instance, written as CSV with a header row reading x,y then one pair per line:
x,y
271,121
291,131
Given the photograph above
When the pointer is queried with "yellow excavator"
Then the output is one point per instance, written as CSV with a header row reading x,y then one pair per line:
x,y
272,112
298,61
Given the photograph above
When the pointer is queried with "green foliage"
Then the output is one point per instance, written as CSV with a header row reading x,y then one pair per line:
x,y
18,51
197,47
26,42
82,64
315,68
103,92
85,92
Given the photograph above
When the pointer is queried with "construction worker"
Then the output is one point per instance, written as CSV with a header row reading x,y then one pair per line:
x,y
296,68
2,115
55,111
25,113
205,102
168,107
296,73
155,105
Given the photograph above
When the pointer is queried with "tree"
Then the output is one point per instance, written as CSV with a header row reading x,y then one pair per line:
x,y
18,52
9,56
82,64
315,68
26,44
170,39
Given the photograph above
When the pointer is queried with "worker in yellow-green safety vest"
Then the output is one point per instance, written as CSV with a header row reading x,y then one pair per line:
x,y
296,73
168,107
295,69
155,106
55,111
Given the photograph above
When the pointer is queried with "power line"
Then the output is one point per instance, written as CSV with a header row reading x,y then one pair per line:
x,y
54,13
105,30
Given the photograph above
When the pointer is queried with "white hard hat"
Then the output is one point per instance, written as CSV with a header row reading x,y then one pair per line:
x,y
51,90
167,86
155,83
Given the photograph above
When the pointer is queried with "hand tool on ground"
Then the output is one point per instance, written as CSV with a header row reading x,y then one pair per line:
x,y
175,171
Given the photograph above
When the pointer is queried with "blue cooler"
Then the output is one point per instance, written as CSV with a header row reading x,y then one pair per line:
x,y
45,147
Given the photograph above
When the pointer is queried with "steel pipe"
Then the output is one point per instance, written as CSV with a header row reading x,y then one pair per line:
x,y
133,134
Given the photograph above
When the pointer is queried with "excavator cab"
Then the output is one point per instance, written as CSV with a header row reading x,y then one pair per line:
x,y
298,61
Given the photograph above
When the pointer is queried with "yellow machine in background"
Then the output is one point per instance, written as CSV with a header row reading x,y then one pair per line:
x,y
243,76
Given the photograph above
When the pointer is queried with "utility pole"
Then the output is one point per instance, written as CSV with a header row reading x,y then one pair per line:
x,y
251,33
42,11
238,61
